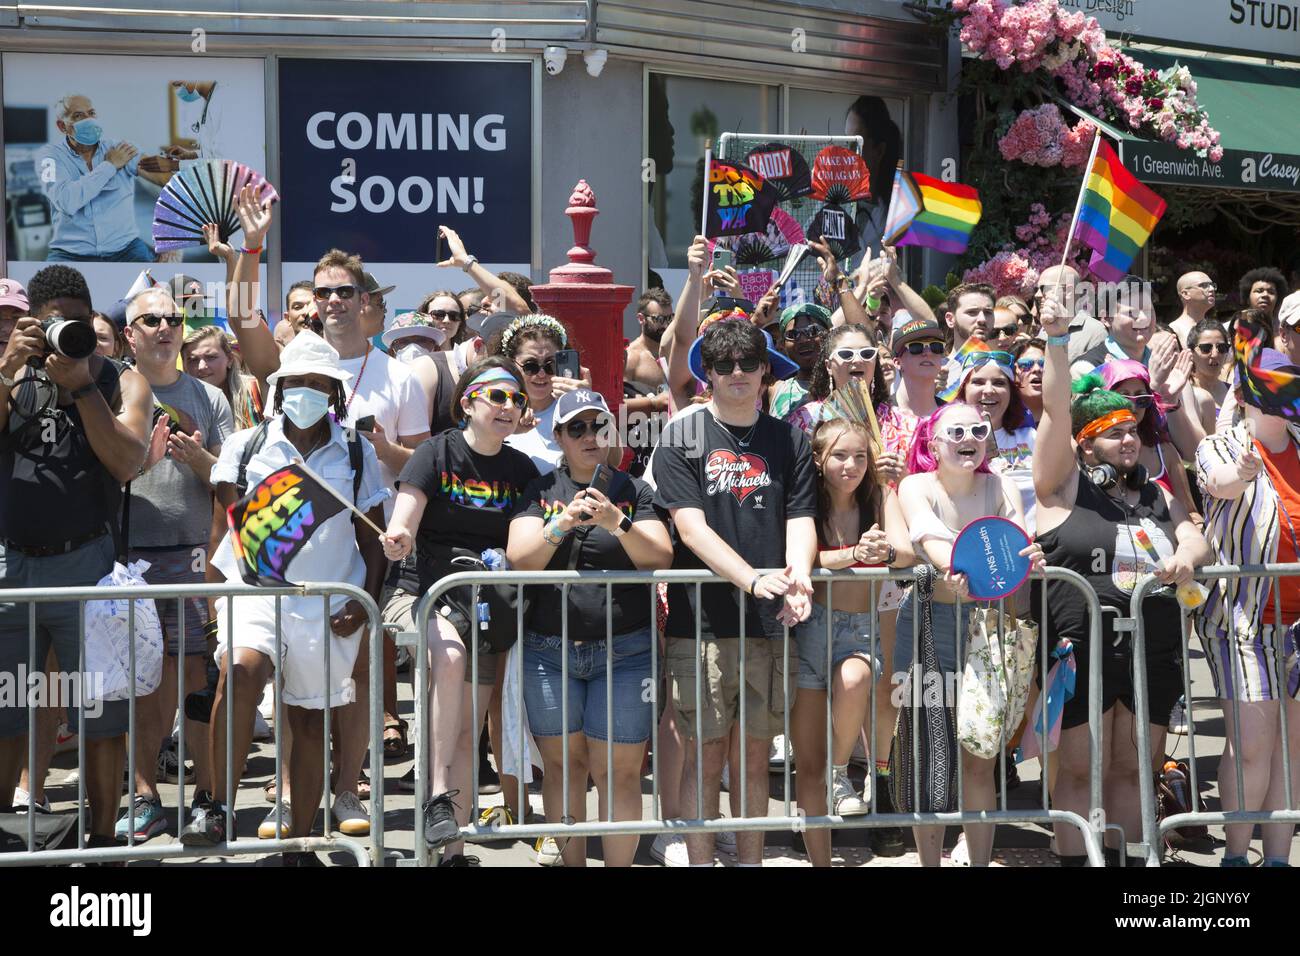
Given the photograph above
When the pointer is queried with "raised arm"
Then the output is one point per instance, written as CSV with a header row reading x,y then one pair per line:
x,y
681,331
256,343
498,290
1053,444
850,307
117,440
904,295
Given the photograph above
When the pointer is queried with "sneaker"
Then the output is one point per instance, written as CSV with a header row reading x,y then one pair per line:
x,y
845,798
780,750
406,783
261,729
296,860
64,740
22,798
146,815
488,781
440,826
351,814
266,829
169,765
459,859
1233,861
493,817
670,850
1178,717
208,825
960,855
548,851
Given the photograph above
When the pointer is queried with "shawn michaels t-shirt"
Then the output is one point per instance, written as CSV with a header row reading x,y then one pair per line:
x,y
748,482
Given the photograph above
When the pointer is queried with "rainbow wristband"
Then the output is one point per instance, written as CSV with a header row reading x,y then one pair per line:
x,y
252,252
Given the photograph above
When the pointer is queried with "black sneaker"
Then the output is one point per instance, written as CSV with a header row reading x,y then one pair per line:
x,y
406,784
885,841
460,860
440,826
488,781
207,826
295,860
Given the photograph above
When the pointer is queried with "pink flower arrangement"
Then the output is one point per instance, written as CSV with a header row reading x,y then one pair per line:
x,y
1040,137
1015,271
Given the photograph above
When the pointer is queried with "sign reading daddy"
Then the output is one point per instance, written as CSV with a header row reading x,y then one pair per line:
x,y
274,521
377,154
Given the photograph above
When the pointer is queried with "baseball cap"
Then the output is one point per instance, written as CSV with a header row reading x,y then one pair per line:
x,y
373,287
914,330
180,282
12,293
411,324
494,323
819,313
1288,313
578,401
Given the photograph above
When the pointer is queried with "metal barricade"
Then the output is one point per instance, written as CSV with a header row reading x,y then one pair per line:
x,y
1154,829
788,820
179,592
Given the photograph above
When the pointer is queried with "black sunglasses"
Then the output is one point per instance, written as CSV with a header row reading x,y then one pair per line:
x,y
916,348
579,429
444,314
727,366
501,397
153,320
1006,331
323,292
807,332
532,366
1208,348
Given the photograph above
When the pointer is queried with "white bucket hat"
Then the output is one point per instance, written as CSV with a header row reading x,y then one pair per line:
x,y
309,354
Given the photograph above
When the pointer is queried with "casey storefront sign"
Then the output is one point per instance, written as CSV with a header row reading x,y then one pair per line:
x,y
1263,27
1239,169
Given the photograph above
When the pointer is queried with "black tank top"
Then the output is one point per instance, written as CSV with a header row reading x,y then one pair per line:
x,y
53,486
1100,540
441,418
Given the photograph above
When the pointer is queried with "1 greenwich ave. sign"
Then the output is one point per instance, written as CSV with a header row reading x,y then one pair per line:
x,y
1239,169
1260,27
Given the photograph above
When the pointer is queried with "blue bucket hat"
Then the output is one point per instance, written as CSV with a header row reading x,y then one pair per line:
x,y
781,366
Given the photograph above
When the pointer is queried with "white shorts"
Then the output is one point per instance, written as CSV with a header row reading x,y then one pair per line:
x,y
302,670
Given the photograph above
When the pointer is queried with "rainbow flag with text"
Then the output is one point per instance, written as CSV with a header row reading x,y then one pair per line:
x,y
274,521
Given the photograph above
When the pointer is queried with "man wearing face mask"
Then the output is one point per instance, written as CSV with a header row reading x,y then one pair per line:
x,y
414,341
91,189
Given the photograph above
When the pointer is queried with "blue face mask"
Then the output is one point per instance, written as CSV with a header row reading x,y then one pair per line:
x,y
87,131
189,96
305,406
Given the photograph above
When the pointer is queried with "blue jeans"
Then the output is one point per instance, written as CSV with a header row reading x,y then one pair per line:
x,y
630,687
134,251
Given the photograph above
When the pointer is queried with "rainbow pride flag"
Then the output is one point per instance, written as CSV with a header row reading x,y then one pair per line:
x,y
1117,217
924,211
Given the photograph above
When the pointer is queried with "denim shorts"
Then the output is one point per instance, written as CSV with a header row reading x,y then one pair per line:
x,y
631,687
850,637
943,619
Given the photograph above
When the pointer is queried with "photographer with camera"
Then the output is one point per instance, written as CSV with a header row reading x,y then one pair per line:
x,y
73,429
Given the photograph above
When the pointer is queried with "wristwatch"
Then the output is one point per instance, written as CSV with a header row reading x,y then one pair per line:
x,y
624,526
6,381
470,262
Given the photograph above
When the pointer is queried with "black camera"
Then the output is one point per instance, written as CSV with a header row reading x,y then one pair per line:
x,y
76,340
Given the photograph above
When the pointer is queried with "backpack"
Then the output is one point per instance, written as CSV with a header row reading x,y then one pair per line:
x,y
355,458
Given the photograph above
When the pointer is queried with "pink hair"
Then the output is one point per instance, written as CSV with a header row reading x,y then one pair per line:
x,y
920,459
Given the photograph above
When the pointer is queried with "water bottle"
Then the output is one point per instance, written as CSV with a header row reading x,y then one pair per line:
x,y
1177,784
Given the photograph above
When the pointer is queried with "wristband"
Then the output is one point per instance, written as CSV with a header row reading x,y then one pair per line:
x,y
470,262
551,533
871,302
252,252
890,556
752,583
1059,339
82,392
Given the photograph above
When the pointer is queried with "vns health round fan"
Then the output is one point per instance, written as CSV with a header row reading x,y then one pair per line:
x,y
204,193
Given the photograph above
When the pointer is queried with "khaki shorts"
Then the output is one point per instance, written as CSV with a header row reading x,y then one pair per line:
x,y
720,670
399,609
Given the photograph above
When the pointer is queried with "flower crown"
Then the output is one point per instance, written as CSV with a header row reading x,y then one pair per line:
x,y
534,321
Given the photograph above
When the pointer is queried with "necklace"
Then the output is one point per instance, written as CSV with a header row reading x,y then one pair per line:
x,y
357,384
749,435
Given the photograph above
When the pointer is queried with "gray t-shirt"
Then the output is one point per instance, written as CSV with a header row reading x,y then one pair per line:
x,y
170,504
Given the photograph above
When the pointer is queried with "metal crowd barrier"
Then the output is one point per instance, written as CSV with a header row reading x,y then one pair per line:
x,y
1091,829
1154,829
236,847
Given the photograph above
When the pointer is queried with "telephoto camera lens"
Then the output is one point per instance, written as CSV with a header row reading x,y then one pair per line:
x,y
76,340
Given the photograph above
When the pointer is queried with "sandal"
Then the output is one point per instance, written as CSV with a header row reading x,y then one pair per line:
x,y
395,743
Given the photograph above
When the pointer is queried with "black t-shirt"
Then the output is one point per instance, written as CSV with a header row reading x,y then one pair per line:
x,y
471,499
747,492
598,550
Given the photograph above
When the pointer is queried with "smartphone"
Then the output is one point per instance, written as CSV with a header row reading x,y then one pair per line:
x,y
722,256
365,424
567,364
437,255
600,479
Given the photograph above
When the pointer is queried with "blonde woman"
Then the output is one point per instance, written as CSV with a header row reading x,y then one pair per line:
x,y
208,356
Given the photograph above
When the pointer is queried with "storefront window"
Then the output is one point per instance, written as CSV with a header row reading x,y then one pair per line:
x,y
684,112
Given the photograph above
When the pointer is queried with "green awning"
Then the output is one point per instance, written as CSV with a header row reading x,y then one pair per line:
x,y
1253,108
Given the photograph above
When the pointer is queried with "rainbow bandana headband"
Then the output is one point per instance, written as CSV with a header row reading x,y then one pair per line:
x,y
1120,416
491,375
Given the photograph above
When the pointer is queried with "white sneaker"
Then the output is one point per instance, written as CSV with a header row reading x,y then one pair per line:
x,y
780,750
670,850
22,799
548,851
1178,718
845,799
266,829
351,814
261,729
960,854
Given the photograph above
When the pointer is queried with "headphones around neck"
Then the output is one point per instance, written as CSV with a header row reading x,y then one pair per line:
x,y
1106,476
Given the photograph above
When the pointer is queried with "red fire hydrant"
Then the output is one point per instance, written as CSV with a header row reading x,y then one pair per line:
x,y
585,298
